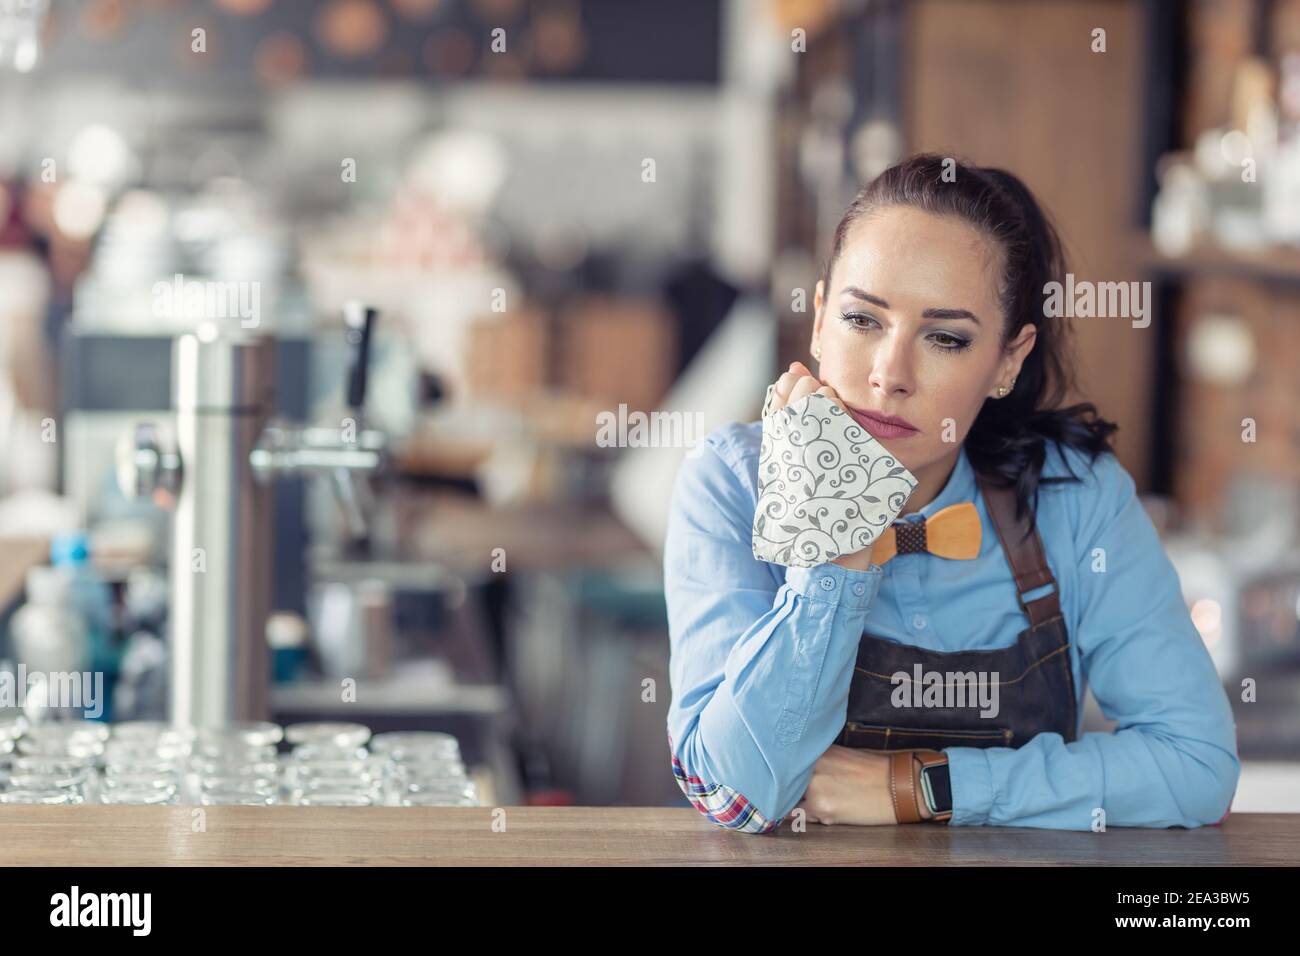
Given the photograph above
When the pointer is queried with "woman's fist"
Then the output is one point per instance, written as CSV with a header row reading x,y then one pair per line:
x,y
798,383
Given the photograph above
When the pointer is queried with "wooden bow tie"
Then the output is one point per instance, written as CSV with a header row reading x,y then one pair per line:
x,y
953,532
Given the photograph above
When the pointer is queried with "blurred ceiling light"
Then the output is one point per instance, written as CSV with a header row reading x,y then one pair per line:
x,y
1221,349
20,34
99,154
27,53
416,9
352,28
79,209
280,58
243,8
463,169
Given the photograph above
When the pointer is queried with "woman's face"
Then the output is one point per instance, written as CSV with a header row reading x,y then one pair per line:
x,y
911,328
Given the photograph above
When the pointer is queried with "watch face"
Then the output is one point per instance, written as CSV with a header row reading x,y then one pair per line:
x,y
935,786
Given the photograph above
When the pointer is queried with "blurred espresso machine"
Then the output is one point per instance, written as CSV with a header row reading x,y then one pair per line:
x,y
213,462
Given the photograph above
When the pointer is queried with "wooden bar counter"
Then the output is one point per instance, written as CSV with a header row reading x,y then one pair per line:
x,y
533,836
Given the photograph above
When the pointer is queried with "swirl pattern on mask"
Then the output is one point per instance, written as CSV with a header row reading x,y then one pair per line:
x,y
826,486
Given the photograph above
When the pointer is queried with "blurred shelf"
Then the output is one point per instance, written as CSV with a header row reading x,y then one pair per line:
x,y
391,697
1272,264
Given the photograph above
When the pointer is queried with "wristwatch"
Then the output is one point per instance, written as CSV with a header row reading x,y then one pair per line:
x,y
936,787
920,775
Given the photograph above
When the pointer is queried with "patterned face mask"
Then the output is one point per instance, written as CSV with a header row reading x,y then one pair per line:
x,y
826,486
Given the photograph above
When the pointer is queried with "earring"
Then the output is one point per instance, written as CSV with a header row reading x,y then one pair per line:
x,y
1002,391
817,353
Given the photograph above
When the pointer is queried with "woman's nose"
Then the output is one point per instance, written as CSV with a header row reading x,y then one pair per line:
x,y
891,369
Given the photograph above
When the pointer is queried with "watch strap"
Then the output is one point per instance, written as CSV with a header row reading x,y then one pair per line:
x,y
935,767
904,786
905,790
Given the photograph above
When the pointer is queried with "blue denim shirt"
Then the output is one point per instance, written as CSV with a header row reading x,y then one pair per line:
x,y
762,655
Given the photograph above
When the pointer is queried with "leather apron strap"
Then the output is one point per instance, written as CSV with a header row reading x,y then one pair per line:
x,y
1024,550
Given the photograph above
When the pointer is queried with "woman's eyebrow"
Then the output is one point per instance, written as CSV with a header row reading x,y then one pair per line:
x,y
865,296
949,314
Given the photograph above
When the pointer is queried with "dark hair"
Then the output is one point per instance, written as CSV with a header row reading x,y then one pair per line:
x,y
1007,442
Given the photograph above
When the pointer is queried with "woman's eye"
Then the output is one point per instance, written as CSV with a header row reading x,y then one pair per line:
x,y
949,343
857,319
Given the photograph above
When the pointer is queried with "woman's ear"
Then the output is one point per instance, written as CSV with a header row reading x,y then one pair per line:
x,y
1020,348
818,300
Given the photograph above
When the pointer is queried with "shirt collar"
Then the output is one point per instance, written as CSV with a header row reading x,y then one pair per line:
x,y
960,487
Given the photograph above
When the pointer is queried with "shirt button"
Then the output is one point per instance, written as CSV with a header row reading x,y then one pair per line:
x,y
828,584
919,621
859,589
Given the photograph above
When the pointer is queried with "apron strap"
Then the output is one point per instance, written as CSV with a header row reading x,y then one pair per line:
x,y
1024,551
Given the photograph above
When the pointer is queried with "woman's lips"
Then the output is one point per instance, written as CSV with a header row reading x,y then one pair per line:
x,y
880,428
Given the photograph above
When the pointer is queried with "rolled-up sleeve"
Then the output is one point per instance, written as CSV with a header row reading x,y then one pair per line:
x,y
1172,759
760,665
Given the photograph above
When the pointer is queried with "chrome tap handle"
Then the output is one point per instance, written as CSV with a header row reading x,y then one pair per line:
x,y
360,322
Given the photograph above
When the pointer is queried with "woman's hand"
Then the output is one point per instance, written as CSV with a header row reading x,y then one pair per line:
x,y
797,383
849,786
793,385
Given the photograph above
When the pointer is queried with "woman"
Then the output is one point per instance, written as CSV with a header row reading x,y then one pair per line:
x,y
797,688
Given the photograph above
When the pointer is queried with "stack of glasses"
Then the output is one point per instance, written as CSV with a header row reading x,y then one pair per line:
x,y
236,764
330,767
53,763
144,763
152,762
424,769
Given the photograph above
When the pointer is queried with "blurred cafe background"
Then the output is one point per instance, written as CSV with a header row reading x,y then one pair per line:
x,y
330,299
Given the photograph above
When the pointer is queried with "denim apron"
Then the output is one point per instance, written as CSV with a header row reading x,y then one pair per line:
x,y
1035,684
